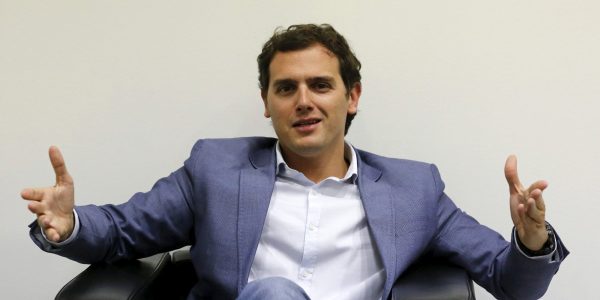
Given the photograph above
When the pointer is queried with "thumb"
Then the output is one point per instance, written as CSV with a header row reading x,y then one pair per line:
x,y
512,175
58,164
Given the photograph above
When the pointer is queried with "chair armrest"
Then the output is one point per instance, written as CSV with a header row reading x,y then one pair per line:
x,y
429,280
147,278
132,279
181,275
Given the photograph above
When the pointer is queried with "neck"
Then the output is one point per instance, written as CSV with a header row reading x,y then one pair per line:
x,y
320,166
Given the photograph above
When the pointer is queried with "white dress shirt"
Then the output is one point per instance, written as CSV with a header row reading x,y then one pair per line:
x,y
316,235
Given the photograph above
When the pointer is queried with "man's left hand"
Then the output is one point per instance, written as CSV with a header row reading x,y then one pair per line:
x,y
527,207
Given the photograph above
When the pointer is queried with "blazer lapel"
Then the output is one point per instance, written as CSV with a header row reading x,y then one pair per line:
x,y
257,181
377,201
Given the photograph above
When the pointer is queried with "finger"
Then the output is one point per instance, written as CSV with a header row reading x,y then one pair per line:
x,y
34,194
522,213
36,207
47,224
539,199
512,176
534,214
539,185
525,219
58,163
45,221
52,235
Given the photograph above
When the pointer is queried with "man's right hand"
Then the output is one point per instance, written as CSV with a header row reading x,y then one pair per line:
x,y
54,205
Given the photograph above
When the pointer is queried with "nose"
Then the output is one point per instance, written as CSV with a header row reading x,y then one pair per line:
x,y
304,102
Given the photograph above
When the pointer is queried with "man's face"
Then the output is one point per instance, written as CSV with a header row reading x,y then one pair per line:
x,y
307,101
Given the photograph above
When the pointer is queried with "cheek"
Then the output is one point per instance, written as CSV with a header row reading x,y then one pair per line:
x,y
277,119
280,111
341,109
271,111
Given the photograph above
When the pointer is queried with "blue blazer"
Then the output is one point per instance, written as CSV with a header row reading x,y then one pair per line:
x,y
217,203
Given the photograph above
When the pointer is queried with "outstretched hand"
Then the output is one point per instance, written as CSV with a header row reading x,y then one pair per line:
x,y
54,205
527,207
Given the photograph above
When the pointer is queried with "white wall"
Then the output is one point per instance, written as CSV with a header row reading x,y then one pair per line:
x,y
126,87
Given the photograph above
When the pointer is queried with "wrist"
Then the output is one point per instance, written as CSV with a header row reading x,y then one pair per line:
x,y
69,228
546,248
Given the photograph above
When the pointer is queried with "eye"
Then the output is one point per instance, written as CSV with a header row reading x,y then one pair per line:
x,y
322,86
284,89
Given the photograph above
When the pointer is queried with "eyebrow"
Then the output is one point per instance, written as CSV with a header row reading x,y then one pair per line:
x,y
280,82
285,81
321,78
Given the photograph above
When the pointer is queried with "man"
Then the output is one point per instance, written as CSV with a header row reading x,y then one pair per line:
x,y
306,214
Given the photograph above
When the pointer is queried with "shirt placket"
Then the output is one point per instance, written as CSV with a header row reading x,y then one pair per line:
x,y
311,234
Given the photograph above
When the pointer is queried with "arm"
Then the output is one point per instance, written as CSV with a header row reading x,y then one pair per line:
x,y
492,262
148,223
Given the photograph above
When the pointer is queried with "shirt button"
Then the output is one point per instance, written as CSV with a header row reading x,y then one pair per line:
x,y
306,274
312,227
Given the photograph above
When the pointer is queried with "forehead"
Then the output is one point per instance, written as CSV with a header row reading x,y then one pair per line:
x,y
310,62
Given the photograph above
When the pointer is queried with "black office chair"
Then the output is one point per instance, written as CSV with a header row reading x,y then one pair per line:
x,y
171,276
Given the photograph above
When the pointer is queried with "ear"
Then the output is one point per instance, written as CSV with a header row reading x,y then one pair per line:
x,y
353,98
263,95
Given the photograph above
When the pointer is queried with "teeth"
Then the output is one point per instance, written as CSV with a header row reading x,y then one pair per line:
x,y
308,122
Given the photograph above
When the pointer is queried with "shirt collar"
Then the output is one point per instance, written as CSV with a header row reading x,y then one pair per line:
x,y
349,155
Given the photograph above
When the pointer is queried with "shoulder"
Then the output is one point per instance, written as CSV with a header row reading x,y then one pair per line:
x,y
230,151
391,164
399,171
239,144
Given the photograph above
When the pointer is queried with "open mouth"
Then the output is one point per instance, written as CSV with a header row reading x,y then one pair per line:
x,y
306,122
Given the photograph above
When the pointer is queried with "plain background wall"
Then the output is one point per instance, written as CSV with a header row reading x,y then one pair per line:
x,y
126,87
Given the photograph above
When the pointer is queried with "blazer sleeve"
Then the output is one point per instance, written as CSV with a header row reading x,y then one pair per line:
x,y
495,264
152,222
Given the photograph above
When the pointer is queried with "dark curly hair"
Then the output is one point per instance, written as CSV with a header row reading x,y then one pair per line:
x,y
302,36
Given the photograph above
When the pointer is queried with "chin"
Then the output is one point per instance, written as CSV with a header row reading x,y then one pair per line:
x,y
306,148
